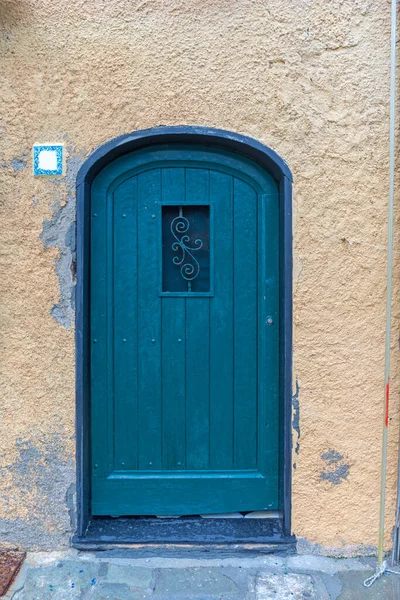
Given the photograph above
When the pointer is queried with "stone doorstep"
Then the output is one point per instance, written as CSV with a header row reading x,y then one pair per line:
x,y
125,557
96,576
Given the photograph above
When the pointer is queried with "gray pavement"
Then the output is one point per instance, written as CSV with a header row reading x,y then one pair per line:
x,y
120,576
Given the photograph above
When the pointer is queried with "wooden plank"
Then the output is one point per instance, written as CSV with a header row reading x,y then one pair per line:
x,y
268,355
173,383
173,349
221,325
125,325
101,370
245,325
197,351
182,494
197,383
149,322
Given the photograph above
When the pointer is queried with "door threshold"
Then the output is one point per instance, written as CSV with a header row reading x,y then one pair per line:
x,y
106,531
185,551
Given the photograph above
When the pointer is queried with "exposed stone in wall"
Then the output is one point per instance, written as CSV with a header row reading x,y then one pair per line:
x,y
18,163
337,469
37,478
342,550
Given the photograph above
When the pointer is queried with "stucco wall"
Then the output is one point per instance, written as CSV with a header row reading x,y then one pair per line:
x,y
309,78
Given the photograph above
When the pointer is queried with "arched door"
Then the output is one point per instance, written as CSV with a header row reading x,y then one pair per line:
x,y
184,334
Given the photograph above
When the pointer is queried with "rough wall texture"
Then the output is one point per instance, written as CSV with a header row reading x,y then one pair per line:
x,y
309,78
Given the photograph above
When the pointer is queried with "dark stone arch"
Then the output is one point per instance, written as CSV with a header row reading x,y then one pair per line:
x,y
219,138
275,165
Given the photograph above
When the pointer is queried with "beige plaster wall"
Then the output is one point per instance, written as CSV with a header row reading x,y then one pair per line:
x,y
309,78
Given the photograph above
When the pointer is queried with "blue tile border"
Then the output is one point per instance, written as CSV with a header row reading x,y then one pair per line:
x,y
58,149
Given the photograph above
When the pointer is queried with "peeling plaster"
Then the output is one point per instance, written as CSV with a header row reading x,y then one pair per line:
x,y
17,164
305,546
40,473
296,417
338,470
60,232
71,505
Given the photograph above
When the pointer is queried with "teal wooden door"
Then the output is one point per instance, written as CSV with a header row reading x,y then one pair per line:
x,y
184,325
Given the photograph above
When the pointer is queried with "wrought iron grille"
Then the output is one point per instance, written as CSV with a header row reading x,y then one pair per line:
x,y
186,249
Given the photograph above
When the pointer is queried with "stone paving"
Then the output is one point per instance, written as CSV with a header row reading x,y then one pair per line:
x,y
109,576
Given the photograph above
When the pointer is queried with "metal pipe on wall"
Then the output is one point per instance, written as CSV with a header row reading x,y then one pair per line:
x,y
389,281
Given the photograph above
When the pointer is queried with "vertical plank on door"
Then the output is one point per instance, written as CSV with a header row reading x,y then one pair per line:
x,y
149,322
197,349
100,317
173,349
245,324
221,325
268,344
173,382
125,325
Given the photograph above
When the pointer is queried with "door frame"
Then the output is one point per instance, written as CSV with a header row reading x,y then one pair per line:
x,y
274,164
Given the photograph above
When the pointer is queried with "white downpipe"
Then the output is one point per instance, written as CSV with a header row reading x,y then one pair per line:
x,y
389,282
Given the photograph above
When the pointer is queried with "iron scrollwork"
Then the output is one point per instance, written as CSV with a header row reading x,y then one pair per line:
x,y
189,265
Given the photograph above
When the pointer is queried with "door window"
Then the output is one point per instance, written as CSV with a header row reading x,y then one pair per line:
x,y
186,249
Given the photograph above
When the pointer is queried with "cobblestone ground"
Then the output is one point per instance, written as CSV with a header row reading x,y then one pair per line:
x,y
110,576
